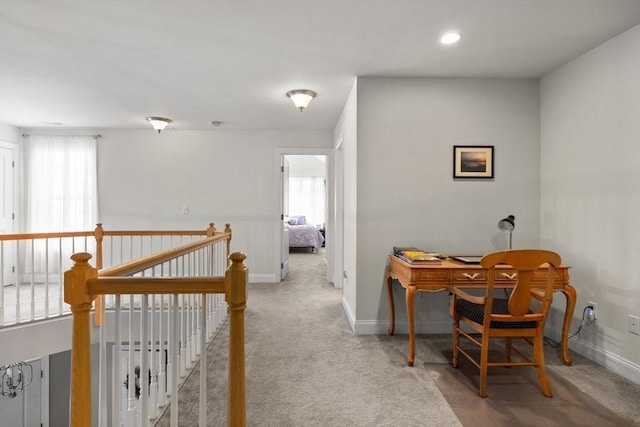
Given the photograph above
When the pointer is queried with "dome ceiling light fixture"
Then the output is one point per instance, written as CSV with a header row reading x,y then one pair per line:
x,y
159,123
301,97
450,38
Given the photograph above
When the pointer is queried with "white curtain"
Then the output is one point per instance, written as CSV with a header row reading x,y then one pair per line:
x,y
307,197
61,183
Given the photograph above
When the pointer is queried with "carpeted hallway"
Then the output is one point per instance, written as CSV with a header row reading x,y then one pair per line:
x,y
304,367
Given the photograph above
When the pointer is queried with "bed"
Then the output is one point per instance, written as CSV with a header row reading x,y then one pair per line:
x,y
303,235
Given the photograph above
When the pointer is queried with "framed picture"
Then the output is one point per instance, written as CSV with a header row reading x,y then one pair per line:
x,y
472,161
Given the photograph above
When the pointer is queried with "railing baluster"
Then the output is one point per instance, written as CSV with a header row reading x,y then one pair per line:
x,y
102,376
162,390
32,294
116,391
183,337
144,361
203,363
61,279
46,279
174,368
153,334
131,372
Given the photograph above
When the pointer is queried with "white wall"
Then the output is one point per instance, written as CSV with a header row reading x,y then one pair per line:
x,y
10,133
307,165
406,194
145,179
590,199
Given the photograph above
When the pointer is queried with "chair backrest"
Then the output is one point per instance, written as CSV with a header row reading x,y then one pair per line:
x,y
524,262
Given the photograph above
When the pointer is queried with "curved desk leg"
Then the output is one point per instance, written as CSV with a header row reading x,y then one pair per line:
x,y
392,313
570,293
410,294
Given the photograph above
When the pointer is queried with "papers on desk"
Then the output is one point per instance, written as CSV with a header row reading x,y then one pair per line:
x,y
417,256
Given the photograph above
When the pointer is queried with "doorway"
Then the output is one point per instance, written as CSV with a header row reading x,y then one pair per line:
x,y
306,192
7,212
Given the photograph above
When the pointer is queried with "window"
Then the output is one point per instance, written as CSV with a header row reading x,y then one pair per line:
x,y
61,183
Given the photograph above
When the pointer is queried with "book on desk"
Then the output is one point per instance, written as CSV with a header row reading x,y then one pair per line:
x,y
416,256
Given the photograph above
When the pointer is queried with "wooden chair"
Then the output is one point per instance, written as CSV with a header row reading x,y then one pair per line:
x,y
513,318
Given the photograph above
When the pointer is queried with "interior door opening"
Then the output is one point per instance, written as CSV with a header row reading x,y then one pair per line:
x,y
305,205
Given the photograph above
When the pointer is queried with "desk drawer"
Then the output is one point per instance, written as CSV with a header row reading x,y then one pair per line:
x,y
471,275
431,275
541,276
538,276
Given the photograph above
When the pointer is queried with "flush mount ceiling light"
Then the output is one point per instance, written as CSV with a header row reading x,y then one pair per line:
x,y
450,38
301,97
158,123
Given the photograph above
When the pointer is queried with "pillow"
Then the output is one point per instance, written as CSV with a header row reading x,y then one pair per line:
x,y
297,220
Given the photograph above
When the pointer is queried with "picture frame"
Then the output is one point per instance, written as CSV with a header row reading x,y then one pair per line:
x,y
473,161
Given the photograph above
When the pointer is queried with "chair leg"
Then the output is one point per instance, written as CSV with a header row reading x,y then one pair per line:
x,y
484,359
456,341
538,353
507,349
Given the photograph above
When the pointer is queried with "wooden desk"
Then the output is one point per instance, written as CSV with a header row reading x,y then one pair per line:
x,y
439,277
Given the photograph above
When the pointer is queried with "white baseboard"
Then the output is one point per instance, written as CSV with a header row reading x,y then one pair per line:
x,y
262,278
376,327
349,313
611,361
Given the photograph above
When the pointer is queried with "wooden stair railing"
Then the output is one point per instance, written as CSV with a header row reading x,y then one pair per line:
x,y
84,283
65,244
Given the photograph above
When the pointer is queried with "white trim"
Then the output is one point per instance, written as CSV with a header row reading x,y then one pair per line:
x,y
263,278
377,327
339,141
349,313
608,360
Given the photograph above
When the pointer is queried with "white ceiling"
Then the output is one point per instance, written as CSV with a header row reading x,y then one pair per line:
x,y
110,64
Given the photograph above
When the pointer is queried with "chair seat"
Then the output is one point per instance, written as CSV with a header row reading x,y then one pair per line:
x,y
475,312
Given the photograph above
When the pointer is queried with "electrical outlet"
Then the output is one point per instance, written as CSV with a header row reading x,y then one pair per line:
x,y
634,324
591,315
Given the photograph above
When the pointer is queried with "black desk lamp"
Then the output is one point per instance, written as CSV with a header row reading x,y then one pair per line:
x,y
508,224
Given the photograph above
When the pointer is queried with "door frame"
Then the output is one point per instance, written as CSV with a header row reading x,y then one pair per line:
x,y
329,228
9,262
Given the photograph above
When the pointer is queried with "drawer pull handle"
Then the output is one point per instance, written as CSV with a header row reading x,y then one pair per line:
x,y
471,276
509,276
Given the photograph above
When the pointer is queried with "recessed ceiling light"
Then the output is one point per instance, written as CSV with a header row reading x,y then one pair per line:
x,y
450,38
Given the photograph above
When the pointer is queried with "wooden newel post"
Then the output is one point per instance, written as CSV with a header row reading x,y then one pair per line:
x,y
227,229
76,294
236,279
99,235
211,230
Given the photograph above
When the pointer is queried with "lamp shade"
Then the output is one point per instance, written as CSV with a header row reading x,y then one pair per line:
x,y
507,224
301,97
158,123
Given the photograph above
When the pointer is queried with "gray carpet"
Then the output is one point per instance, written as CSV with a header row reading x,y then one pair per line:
x,y
304,367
